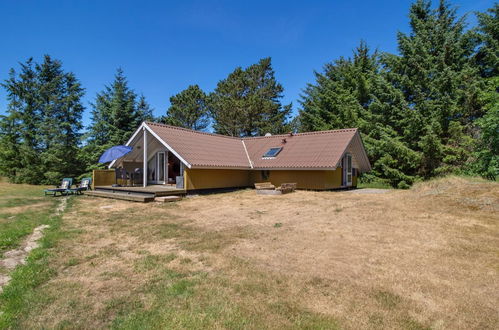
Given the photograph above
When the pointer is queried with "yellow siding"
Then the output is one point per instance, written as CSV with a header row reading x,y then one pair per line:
x,y
210,179
103,178
307,179
333,179
304,179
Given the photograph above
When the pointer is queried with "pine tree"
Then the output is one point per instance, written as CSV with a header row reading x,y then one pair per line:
x,y
116,114
485,160
10,162
440,85
60,98
21,124
41,131
487,35
189,109
353,93
331,102
144,111
247,102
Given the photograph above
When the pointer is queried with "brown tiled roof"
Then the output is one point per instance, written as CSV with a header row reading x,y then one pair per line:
x,y
322,149
203,149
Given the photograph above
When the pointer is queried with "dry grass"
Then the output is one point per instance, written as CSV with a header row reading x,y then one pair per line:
x,y
427,257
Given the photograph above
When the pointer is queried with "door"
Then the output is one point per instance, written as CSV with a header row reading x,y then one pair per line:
x,y
347,170
156,167
161,167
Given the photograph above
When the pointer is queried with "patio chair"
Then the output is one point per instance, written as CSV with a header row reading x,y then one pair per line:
x,y
62,189
122,175
83,186
136,177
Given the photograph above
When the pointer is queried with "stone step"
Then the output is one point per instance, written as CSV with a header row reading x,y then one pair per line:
x,y
165,199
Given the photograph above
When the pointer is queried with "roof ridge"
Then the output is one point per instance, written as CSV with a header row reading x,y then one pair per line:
x,y
191,130
251,137
303,133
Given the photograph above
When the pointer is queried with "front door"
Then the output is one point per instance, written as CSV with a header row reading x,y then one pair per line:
x,y
161,167
347,170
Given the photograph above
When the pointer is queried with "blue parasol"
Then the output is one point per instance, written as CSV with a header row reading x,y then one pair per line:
x,y
114,153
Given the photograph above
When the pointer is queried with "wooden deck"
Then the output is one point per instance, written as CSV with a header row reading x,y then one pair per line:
x,y
136,194
157,190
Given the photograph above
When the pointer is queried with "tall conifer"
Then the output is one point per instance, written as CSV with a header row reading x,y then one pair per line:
x,y
247,102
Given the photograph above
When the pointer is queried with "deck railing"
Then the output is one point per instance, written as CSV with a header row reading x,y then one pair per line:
x,y
103,178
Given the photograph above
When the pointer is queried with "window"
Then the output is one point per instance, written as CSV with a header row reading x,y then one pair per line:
x,y
272,152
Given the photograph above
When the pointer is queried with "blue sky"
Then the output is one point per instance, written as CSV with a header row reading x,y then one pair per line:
x,y
163,46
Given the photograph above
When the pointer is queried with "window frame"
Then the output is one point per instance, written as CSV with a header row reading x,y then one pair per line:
x,y
274,154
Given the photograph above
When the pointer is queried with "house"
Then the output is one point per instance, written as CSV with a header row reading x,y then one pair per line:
x,y
195,160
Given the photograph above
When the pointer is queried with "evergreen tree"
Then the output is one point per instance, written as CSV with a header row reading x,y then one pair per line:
x,y
440,85
60,98
10,161
189,109
353,93
144,111
41,131
487,35
20,127
247,102
116,114
485,161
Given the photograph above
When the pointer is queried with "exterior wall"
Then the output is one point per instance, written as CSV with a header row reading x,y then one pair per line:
x,y
333,179
305,179
211,179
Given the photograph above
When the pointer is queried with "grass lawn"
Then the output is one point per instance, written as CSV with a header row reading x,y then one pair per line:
x,y
22,208
421,258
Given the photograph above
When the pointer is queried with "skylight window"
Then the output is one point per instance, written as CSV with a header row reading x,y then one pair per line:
x,y
272,152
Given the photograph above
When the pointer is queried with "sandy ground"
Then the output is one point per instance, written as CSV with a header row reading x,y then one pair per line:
x,y
435,247
428,256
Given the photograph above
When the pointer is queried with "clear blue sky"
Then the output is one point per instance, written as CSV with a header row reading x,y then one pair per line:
x,y
163,46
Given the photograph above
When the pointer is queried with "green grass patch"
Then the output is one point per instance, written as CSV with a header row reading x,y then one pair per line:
x,y
374,185
19,296
182,299
17,225
150,262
